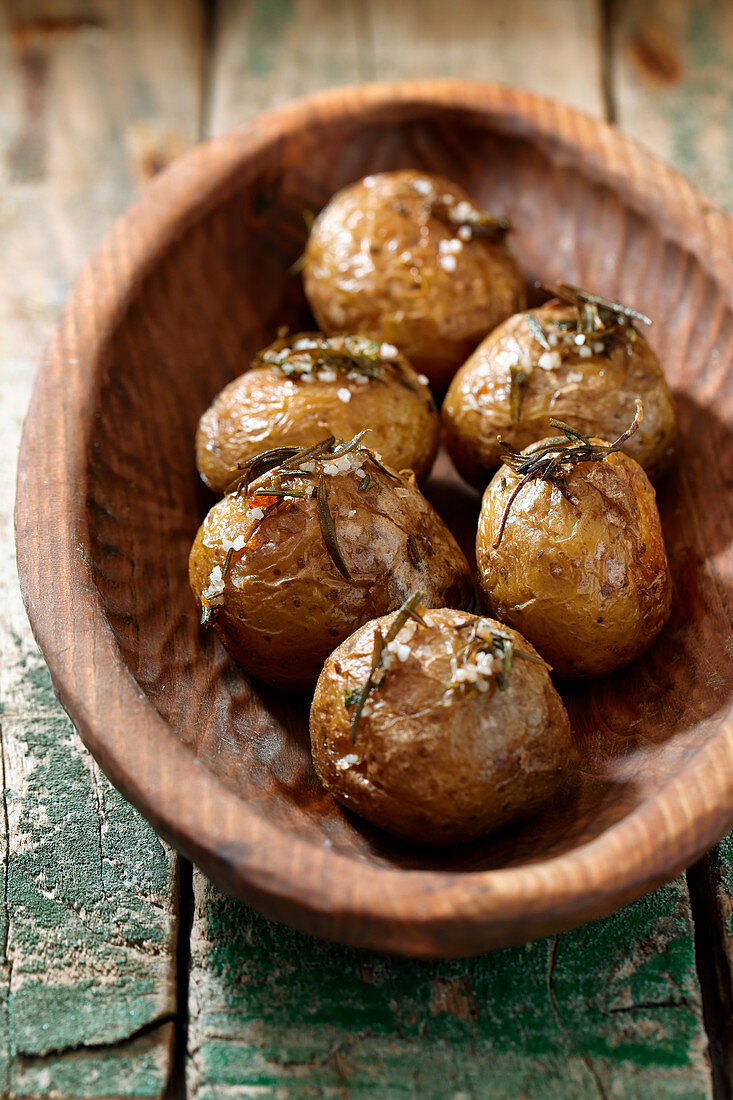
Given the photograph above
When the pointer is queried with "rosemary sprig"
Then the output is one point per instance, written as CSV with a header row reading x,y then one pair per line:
x,y
576,296
328,529
285,464
552,460
357,698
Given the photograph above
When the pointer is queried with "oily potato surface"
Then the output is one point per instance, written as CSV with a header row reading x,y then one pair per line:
x,y
285,605
588,584
383,259
432,763
593,391
306,399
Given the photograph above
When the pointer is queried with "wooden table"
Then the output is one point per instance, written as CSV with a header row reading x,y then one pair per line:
x,y
124,973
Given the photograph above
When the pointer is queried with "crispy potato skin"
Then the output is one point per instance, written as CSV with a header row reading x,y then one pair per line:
x,y
595,395
263,409
435,767
588,584
372,266
286,605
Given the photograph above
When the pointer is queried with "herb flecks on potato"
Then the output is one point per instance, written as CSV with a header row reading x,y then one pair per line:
x,y
409,258
305,386
578,358
570,551
308,544
438,725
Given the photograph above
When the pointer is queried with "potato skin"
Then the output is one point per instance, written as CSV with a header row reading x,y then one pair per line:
x,y
588,583
263,409
286,605
373,265
435,767
596,395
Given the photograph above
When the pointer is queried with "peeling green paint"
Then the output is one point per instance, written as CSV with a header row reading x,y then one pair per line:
x,y
610,1009
89,943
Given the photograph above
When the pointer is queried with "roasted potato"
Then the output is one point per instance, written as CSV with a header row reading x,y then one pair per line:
x,y
574,558
577,362
306,386
438,730
409,258
311,544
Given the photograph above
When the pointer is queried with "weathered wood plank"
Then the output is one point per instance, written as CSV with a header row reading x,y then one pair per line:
x,y
94,98
609,1010
672,84
266,52
612,1009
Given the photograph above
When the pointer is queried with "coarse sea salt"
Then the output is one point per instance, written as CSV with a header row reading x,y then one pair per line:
x,y
388,351
448,262
344,395
549,360
233,544
423,187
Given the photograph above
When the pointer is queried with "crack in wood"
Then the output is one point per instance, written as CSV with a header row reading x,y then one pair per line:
x,y
587,1061
147,1028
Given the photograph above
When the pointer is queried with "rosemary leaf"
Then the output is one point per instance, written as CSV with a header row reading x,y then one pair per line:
x,y
537,330
328,529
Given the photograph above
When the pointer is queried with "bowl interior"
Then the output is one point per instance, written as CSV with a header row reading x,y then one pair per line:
x,y
219,293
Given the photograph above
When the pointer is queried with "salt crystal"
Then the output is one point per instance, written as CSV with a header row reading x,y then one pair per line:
x,y
549,360
344,395
448,263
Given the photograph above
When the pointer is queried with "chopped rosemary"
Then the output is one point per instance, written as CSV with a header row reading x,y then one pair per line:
x,y
309,355
485,638
598,323
537,330
328,529
413,551
577,296
357,697
519,377
285,464
552,459
464,214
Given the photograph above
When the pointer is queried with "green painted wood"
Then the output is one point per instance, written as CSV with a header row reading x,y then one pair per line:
x,y
671,64
612,1009
94,98
672,80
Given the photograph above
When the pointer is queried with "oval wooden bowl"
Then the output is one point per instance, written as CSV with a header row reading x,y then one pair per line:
x,y
190,281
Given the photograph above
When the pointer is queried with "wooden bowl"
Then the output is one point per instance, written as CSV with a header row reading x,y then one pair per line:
x,y
191,280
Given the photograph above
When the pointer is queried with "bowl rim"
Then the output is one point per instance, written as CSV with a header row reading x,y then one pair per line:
x,y
318,890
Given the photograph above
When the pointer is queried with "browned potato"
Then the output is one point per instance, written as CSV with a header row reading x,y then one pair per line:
x,y
512,385
576,562
460,729
306,386
409,258
315,542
